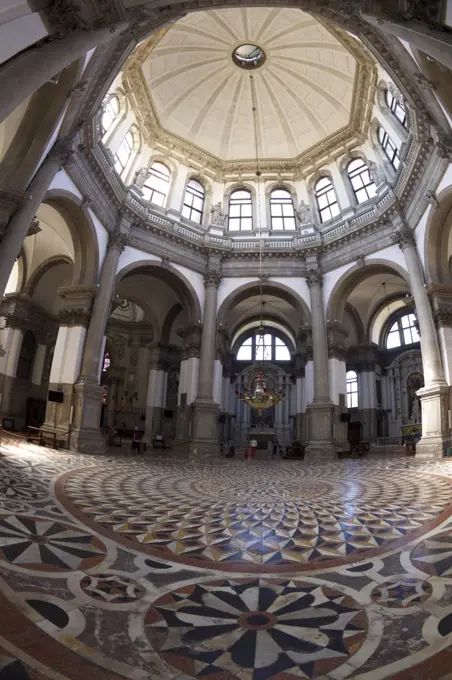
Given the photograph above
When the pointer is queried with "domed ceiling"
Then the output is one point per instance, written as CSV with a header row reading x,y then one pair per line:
x,y
304,86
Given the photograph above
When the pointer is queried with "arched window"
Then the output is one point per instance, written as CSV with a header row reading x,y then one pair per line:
x,y
326,199
361,181
281,209
397,106
110,111
156,187
352,389
266,347
194,201
26,356
404,331
123,154
389,147
240,211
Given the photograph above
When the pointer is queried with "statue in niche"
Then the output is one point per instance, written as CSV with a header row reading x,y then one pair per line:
x,y
376,173
304,214
141,177
217,217
414,382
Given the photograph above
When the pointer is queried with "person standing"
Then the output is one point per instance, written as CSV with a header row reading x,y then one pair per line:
x,y
253,445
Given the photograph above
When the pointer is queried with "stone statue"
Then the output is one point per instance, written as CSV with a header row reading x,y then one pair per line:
x,y
304,214
217,217
376,173
140,177
416,410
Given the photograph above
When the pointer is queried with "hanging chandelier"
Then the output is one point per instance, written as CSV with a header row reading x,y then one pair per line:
x,y
259,395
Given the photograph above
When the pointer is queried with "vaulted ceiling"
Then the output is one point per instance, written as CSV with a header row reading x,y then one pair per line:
x,y
187,84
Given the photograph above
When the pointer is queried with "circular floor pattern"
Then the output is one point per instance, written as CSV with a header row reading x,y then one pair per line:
x,y
259,516
47,545
265,628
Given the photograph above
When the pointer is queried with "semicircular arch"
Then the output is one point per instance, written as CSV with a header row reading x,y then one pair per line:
x,y
180,284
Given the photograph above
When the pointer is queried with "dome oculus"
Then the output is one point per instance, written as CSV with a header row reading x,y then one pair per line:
x,y
248,56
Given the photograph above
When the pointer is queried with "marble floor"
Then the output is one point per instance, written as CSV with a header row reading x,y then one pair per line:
x,y
173,569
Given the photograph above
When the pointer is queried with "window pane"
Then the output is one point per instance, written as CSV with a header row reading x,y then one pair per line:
x,y
247,224
277,223
393,340
244,353
290,223
282,353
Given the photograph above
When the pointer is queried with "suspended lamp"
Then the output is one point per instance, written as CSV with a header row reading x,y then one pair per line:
x,y
259,394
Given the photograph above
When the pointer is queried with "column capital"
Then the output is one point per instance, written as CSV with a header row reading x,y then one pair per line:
x,y
61,152
314,278
118,240
337,351
403,237
212,278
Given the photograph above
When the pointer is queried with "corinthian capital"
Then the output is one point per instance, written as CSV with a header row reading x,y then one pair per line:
x,y
118,239
212,278
314,278
403,238
61,152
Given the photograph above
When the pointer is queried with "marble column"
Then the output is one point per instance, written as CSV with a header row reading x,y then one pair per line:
x,y
320,444
22,75
205,415
188,383
21,221
74,315
434,395
156,393
86,435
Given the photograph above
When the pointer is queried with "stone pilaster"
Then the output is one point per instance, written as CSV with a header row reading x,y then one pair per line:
x,y
85,436
74,316
320,412
205,409
434,396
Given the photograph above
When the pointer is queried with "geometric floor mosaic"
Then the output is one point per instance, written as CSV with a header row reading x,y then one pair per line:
x,y
241,520
174,569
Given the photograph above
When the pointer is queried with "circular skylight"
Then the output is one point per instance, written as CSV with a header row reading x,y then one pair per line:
x,y
248,56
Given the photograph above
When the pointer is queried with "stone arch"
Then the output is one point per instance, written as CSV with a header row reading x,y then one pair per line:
x,y
268,288
42,269
83,232
351,278
173,278
438,234
168,323
284,335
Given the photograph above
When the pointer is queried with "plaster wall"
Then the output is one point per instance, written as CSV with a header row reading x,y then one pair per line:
x,y
331,278
228,285
131,255
391,254
196,280
297,284
102,237
63,181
